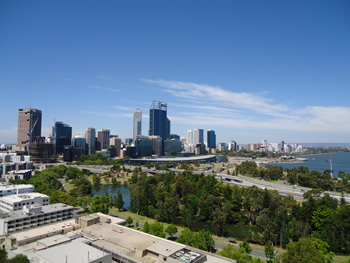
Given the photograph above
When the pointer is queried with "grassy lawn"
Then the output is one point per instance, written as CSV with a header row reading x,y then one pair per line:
x,y
68,187
341,259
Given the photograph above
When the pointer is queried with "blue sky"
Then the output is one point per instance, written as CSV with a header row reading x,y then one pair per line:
x,y
250,70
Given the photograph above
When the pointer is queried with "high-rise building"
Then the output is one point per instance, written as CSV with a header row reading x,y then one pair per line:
x,y
117,143
27,118
211,139
168,128
103,138
90,135
190,137
78,141
232,146
198,136
61,136
137,123
158,119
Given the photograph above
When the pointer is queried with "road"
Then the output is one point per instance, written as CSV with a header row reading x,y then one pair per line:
x,y
283,189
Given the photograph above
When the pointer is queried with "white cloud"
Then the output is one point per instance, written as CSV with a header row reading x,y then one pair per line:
x,y
240,100
215,106
103,88
122,108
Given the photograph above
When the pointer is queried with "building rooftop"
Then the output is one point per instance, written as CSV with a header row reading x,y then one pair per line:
x,y
45,209
21,197
15,186
142,247
72,252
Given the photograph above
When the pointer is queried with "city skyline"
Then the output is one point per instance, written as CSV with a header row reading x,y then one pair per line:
x,y
249,71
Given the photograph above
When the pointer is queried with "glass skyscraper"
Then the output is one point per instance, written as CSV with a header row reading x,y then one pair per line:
x,y
158,119
61,136
137,123
211,139
90,136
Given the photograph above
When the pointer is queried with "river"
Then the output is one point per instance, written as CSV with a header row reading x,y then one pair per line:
x,y
320,162
111,190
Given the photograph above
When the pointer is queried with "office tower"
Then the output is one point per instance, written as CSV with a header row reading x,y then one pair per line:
x,y
211,139
175,137
157,144
90,135
117,143
232,146
198,136
137,123
190,137
168,127
129,141
103,138
282,146
61,136
158,119
264,143
29,120
78,141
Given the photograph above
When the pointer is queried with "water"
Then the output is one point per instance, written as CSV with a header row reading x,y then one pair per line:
x,y
319,162
111,190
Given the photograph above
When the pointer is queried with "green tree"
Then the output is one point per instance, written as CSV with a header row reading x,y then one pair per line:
x,y
171,229
245,245
119,201
18,259
270,252
157,229
96,179
302,251
129,221
146,227
3,255
237,254
101,203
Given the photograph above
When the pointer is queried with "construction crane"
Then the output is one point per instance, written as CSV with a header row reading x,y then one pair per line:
x,y
30,135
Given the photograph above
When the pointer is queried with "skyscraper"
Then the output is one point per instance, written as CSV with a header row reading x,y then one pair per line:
x,y
61,136
90,135
211,139
198,136
103,138
190,137
27,118
158,119
137,122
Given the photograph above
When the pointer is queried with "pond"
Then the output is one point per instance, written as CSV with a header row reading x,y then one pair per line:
x,y
111,190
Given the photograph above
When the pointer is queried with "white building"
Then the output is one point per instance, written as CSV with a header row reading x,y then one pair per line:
x,y
198,136
190,137
18,202
33,216
13,189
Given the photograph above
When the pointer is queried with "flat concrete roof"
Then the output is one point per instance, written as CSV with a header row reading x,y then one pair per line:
x,y
72,252
15,186
20,197
134,244
43,230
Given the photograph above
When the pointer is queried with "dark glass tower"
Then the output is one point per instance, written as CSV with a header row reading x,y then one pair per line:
x,y
211,137
61,136
158,119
